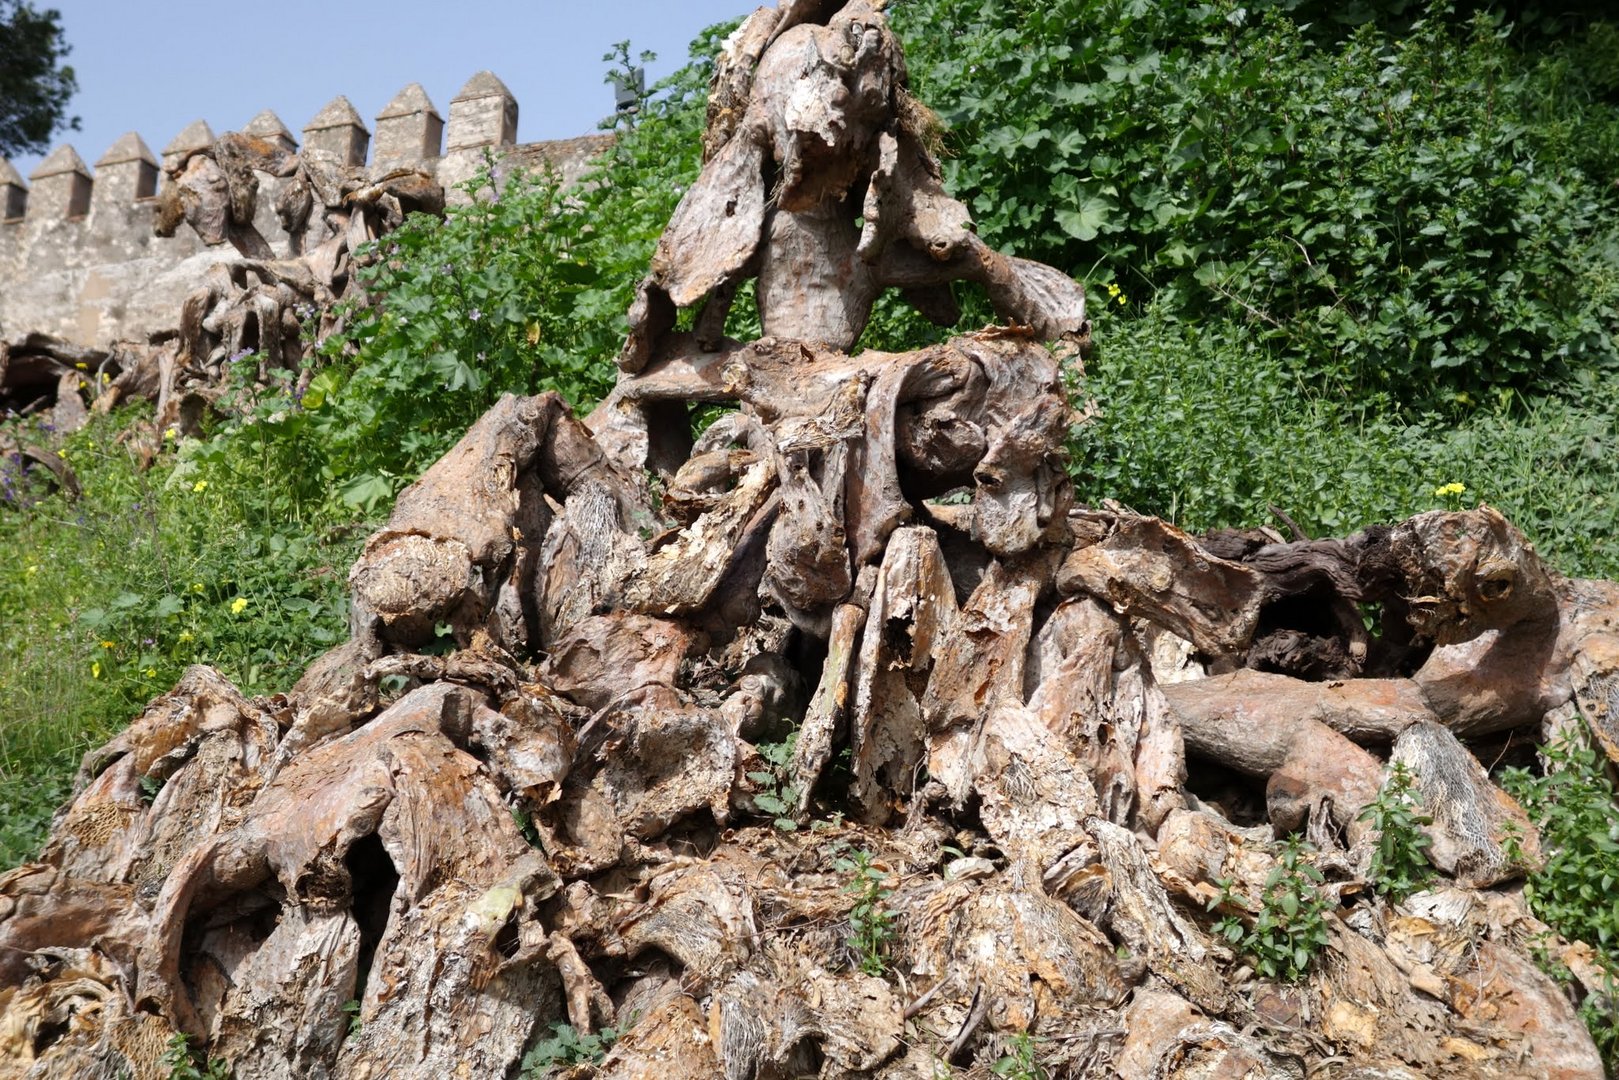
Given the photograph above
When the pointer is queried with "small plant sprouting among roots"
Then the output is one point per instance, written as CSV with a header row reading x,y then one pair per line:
x,y
1290,927
567,1047
871,924
1018,1062
1400,863
185,1063
777,795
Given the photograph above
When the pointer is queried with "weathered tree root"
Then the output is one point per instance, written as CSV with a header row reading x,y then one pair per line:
x,y
1047,867
1069,733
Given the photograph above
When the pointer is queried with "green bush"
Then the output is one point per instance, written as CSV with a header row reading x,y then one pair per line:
x,y
524,289
1209,428
1415,211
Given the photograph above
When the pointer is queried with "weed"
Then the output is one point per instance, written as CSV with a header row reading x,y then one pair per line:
x,y
525,825
106,600
351,1009
1399,866
871,924
186,1062
1290,927
566,1047
1018,1062
1576,808
777,795
1193,424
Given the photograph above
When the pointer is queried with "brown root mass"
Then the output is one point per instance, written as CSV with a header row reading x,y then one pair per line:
x,y
1031,744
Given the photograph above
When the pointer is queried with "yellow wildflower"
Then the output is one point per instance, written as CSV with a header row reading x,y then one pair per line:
x,y
238,605
169,435
32,569
186,635
95,669
151,673
200,486
196,587
108,644
1452,488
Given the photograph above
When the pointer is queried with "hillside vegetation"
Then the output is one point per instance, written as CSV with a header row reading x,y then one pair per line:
x,y
1346,268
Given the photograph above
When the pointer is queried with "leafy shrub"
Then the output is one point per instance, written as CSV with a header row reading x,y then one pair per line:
x,y
469,308
1399,865
523,289
1409,209
1290,926
1575,806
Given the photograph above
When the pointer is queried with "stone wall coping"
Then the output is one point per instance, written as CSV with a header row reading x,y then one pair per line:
x,y
129,147
409,102
64,159
339,112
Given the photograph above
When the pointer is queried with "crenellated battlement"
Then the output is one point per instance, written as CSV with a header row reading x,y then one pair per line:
x,y
78,256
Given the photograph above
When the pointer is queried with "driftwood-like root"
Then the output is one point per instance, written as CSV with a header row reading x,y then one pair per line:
x,y
833,741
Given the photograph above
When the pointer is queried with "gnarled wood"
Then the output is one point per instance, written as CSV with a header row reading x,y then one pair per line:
x,y
1034,744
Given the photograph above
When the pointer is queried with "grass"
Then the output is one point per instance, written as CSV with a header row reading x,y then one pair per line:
x,y
105,601
1206,428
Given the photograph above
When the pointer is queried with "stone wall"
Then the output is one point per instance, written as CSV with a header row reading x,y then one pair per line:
x,y
79,260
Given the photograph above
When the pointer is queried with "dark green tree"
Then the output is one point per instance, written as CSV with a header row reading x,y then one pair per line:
x,y
35,85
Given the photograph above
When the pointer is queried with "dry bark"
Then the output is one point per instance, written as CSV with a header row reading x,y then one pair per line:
x,y
1068,731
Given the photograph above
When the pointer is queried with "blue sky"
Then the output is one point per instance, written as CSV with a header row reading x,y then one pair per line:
x,y
154,68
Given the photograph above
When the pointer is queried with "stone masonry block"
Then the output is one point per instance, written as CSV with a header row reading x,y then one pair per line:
x,y
61,186
126,172
13,192
484,113
409,130
338,132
